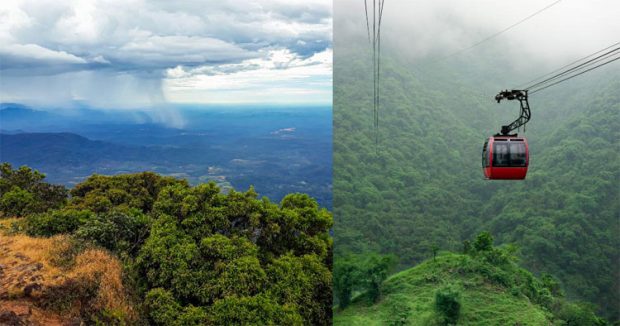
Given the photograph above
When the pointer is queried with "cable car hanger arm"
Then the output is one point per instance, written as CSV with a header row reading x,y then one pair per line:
x,y
525,113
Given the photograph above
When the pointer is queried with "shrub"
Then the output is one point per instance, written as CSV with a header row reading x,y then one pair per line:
x,y
242,277
120,232
22,192
346,274
552,284
448,304
304,282
375,270
483,242
16,202
161,306
56,222
467,247
101,193
192,316
569,313
163,309
256,310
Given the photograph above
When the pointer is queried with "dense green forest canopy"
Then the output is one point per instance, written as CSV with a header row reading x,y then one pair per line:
x,y
192,255
425,188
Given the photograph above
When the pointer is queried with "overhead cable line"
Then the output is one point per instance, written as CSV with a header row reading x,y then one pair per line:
x,y
576,68
574,75
367,25
581,66
382,2
500,32
374,69
568,65
377,14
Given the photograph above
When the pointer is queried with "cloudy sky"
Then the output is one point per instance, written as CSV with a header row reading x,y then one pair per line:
x,y
428,28
138,53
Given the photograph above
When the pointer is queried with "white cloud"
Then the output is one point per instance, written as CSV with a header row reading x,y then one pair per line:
x,y
100,59
279,76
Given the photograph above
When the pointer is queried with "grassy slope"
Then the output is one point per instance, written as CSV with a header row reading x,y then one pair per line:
x,y
483,303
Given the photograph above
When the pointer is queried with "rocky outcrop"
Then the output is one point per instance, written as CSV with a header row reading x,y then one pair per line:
x,y
45,281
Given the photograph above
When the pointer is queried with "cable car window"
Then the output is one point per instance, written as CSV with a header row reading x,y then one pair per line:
x,y
509,154
485,155
501,155
517,154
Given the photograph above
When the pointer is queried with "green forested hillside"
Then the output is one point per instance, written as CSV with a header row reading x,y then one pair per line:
x,y
481,286
425,188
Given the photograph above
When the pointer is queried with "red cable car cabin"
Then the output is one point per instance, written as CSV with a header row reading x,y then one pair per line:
x,y
505,158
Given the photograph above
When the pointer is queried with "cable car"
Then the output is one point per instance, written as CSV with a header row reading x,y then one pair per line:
x,y
505,158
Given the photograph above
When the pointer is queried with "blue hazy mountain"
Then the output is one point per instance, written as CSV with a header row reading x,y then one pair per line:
x,y
278,150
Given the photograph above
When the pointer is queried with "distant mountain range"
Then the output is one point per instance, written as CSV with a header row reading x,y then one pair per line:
x,y
279,150
12,113
67,157
18,116
68,149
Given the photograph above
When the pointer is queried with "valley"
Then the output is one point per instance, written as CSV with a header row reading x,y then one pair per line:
x,y
278,152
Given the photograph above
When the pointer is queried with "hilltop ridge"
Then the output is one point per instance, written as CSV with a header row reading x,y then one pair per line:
x,y
484,285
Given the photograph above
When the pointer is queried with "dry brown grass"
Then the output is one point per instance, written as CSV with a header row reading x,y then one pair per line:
x,y
20,250
99,266
27,260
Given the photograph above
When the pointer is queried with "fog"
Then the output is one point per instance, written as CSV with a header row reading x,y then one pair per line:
x,y
422,29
